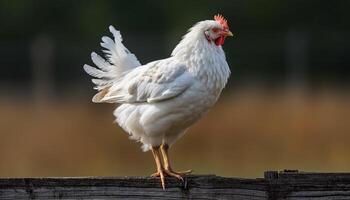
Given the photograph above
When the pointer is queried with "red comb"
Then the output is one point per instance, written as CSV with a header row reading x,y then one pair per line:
x,y
219,18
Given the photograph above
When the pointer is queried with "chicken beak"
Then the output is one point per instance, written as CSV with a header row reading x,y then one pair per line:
x,y
228,33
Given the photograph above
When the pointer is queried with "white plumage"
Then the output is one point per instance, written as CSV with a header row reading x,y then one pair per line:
x,y
160,100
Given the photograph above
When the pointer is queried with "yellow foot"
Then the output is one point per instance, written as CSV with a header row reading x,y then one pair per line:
x,y
171,173
182,174
162,179
156,174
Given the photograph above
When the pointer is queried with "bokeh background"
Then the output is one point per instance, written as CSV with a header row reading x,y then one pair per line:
x,y
287,104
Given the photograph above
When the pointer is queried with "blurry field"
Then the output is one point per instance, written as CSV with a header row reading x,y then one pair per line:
x,y
246,133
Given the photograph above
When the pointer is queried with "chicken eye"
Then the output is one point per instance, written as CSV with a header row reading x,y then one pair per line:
x,y
215,30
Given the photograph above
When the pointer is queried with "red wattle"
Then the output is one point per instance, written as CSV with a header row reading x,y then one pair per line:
x,y
220,40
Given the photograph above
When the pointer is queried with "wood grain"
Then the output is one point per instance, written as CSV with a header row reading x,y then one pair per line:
x,y
283,185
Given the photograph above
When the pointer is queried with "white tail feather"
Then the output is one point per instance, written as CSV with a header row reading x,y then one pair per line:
x,y
92,71
100,62
120,60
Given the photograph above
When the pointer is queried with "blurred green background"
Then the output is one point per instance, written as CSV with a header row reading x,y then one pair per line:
x,y
287,104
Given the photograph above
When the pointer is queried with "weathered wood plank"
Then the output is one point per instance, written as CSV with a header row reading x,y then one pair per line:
x,y
290,185
293,185
194,187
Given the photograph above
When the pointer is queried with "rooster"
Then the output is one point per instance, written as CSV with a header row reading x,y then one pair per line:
x,y
160,100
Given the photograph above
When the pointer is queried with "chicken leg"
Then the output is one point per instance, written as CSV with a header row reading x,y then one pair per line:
x,y
167,168
160,169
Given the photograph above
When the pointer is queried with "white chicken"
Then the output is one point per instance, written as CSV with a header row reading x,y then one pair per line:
x,y
160,100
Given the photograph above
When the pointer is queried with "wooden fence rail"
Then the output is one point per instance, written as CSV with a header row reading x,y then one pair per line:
x,y
275,185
